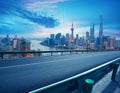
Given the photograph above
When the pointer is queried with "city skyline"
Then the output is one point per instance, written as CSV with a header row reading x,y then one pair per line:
x,y
40,18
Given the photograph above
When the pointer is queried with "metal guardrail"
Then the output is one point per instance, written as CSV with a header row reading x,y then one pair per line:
x,y
23,53
84,81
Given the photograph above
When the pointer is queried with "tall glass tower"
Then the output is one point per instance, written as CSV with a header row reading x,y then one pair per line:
x,y
101,31
92,34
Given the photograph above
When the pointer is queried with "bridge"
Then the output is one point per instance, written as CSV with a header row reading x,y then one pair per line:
x,y
56,74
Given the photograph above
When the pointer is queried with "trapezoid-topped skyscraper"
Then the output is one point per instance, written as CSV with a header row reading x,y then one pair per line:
x,y
101,31
92,33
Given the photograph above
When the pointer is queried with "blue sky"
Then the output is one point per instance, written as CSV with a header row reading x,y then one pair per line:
x,y
39,18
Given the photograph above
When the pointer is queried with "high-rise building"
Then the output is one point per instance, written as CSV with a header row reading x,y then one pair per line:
x,y
57,39
92,38
105,40
112,42
63,40
22,44
87,40
15,43
67,36
67,39
52,40
117,44
76,40
52,36
101,31
77,36
87,36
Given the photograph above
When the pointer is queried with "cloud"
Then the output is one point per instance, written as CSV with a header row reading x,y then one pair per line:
x,y
42,5
34,3
47,21
17,8
43,2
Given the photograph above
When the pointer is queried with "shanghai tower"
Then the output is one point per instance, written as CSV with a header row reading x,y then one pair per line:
x,y
101,31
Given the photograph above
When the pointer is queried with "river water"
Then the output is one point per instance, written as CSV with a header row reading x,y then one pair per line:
x,y
35,45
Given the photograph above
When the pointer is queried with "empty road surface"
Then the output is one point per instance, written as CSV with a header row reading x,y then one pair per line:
x,y
26,74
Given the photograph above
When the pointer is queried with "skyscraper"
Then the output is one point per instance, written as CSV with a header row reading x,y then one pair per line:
x,y
67,39
92,34
112,42
52,36
67,36
87,36
101,31
87,40
15,43
57,38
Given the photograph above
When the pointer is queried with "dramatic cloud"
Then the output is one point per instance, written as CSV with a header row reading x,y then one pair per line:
x,y
36,4
39,19
16,8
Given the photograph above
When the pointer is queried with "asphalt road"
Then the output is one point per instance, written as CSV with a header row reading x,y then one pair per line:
x,y
26,74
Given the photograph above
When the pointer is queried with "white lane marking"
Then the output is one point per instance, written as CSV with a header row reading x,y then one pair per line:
x,y
36,63
41,62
